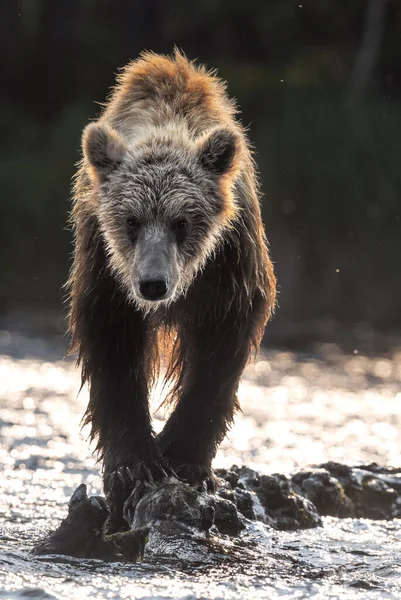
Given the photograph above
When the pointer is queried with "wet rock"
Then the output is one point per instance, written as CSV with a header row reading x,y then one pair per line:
x,y
245,501
186,523
270,498
81,533
230,488
248,478
374,491
287,509
172,507
190,522
324,491
227,518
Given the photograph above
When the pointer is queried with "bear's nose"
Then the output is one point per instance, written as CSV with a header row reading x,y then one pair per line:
x,y
153,289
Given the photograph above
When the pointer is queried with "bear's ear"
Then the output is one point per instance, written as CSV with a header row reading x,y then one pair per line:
x,y
217,152
103,148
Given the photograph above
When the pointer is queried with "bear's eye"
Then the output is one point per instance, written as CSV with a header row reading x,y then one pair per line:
x,y
180,225
133,225
180,228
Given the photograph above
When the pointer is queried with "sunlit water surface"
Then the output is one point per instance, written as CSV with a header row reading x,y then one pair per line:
x,y
297,410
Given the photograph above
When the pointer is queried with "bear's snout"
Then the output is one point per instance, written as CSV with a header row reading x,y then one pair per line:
x,y
153,288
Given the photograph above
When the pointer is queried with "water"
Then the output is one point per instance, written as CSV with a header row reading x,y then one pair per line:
x,y
297,410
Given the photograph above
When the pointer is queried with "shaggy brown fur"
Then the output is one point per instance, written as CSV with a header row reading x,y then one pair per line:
x,y
167,177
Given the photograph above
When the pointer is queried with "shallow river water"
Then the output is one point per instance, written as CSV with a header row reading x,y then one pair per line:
x,y
297,410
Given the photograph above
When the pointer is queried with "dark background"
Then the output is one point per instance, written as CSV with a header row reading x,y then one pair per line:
x,y
319,86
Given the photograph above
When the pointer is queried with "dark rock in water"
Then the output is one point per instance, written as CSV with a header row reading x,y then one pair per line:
x,y
324,491
230,488
374,491
227,518
175,508
172,507
81,533
286,508
269,498
189,522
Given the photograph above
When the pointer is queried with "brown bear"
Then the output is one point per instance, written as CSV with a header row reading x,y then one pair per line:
x,y
170,253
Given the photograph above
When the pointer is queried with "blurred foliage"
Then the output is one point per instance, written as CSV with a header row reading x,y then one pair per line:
x,y
328,160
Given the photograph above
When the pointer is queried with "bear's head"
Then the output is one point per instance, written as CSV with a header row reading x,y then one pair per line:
x,y
164,202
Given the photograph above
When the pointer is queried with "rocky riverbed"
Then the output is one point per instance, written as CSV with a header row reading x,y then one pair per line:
x,y
326,533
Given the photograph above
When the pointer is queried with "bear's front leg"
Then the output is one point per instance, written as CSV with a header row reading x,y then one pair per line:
x,y
211,357
117,350
131,456
119,409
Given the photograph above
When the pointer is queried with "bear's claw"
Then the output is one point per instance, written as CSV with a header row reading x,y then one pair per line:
x,y
149,471
124,474
146,475
126,486
133,499
197,475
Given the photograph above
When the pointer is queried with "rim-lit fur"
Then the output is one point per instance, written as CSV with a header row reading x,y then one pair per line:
x,y
167,144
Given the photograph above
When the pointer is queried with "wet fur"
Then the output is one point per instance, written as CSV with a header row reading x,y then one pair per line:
x,y
169,109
